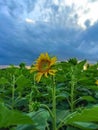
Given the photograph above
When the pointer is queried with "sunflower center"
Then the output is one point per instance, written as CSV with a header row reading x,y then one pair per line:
x,y
44,65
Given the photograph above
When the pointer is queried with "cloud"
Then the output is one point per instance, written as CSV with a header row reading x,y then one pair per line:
x,y
30,27
93,0
30,20
89,42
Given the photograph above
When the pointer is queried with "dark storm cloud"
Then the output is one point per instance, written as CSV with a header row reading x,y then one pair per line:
x,y
91,34
88,40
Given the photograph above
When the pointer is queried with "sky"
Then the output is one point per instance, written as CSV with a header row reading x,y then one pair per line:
x,y
63,28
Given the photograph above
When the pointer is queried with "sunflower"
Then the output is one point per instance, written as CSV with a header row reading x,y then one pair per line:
x,y
43,66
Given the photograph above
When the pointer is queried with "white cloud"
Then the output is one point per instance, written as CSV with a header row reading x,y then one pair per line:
x,y
44,11
56,2
28,20
85,10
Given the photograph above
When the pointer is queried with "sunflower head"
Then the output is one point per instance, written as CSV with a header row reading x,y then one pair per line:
x,y
43,66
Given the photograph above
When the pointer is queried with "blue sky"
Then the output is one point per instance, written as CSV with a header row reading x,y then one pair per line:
x,y
63,28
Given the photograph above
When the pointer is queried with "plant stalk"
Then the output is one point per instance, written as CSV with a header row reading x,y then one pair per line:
x,y
30,96
54,104
73,82
13,91
72,97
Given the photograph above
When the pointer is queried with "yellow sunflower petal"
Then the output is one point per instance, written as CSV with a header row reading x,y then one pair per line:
x,y
52,72
46,74
40,58
38,76
47,56
33,69
53,60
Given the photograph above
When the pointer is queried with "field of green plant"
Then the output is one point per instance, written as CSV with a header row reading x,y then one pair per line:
x,y
50,95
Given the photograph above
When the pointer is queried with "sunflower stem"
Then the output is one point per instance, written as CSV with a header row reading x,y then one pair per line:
x,y
72,96
13,91
30,99
54,103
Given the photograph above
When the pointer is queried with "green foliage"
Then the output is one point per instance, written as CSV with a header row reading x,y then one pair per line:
x,y
86,115
12,117
76,95
40,117
86,119
22,82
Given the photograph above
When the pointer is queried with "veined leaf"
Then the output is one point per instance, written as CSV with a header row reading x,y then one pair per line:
x,y
86,125
12,117
88,98
40,117
3,81
86,115
22,82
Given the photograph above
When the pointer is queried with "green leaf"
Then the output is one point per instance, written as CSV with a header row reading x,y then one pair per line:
x,y
3,81
86,115
81,64
62,96
86,125
89,115
26,127
22,82
61,114
71,128
92,87
88,98
12,117
40,118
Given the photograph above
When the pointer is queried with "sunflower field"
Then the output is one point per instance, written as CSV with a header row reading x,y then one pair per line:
x,y
49,95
